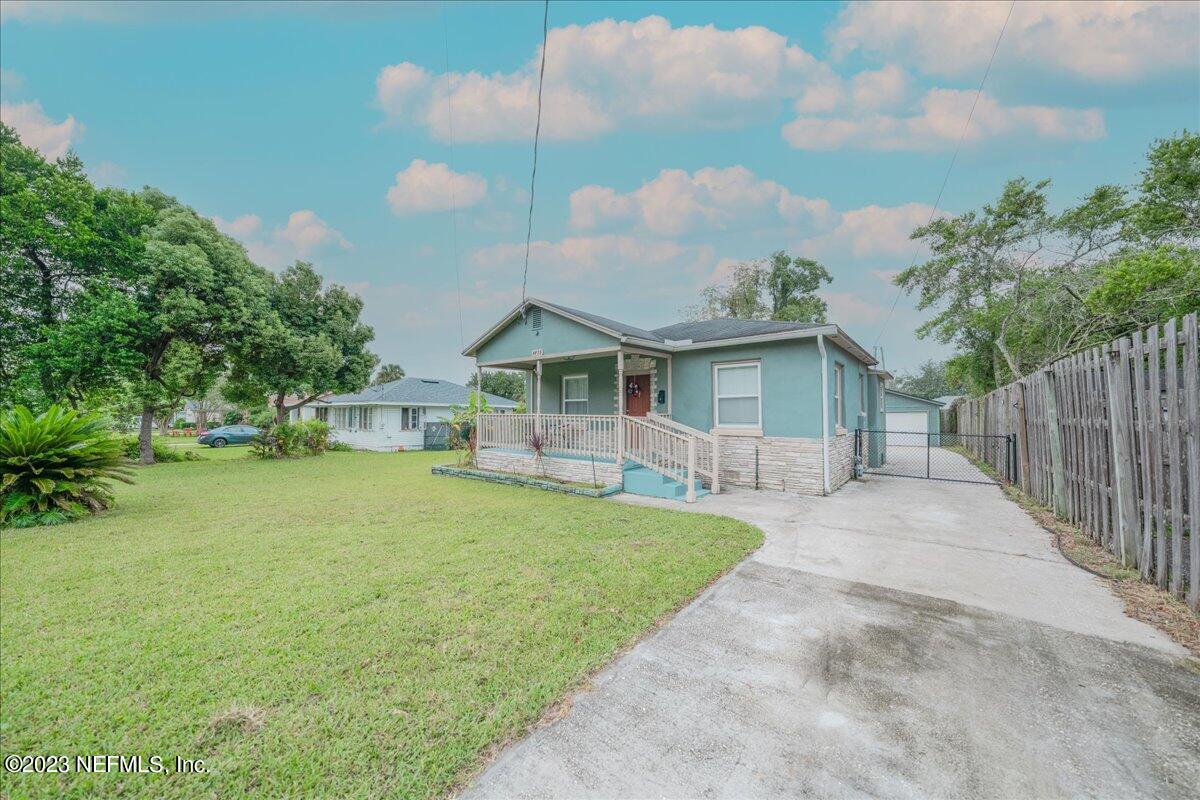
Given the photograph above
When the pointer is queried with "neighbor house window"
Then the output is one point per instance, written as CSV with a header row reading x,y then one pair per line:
x,y
321,413
364,417
575,394
738,395
410,419
839,393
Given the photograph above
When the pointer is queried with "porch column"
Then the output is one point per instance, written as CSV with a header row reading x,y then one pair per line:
x,y
537,396
620,382
670,392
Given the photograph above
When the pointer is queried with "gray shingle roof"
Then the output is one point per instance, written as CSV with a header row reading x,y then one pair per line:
x,y
419,391
622,328
711,330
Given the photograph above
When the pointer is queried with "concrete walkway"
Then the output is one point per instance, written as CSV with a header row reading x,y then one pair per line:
x,y
902,638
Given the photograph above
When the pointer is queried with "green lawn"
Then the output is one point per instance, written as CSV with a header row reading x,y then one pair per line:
x,y
203,450
346,626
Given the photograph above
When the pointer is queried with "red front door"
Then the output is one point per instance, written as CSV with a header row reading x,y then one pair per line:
x,y
637,395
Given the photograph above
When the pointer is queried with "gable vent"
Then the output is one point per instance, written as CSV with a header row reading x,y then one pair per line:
x,y
535,319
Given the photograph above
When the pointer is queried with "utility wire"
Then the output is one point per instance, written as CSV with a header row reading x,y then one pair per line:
x,y
946,179
536,133
450,182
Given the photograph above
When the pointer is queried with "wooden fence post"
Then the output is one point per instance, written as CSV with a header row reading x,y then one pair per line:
x,y
1123,459
1191,373
1022,437
1059,487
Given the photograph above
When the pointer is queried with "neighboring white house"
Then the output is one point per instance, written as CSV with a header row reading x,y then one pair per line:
x,y
394,415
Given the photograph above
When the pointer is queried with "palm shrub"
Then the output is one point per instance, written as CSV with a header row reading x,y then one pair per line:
x,y
56,466
291,440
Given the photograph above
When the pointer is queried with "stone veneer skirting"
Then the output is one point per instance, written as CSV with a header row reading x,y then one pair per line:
x,y
577,470
522,480
786,464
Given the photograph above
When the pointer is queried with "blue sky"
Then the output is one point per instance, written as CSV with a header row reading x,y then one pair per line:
x,y
677,138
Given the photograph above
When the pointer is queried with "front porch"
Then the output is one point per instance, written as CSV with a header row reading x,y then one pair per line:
x,y
602,448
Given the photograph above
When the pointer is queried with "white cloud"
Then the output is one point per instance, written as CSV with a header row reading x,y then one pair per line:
x,y
675,203
849,308
881,88
434,187
302,237
1094,40
37,130
597,258
871,231
939,122
606,73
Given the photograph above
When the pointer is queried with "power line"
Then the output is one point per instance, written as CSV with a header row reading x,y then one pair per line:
x,y
946,179
536,134
450,181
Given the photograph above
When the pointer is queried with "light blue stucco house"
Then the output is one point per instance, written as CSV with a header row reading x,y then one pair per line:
x,y
680,409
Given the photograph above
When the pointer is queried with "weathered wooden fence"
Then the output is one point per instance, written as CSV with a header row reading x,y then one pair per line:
x,y
1110,438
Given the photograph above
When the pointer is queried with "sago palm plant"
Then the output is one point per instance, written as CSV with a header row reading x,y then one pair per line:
x,y
56,466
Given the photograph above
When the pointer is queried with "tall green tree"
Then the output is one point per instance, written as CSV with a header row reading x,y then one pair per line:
x,y
780,288
793,284
1014,286
200,300
313,342
387,373
501,383
68,255
931,379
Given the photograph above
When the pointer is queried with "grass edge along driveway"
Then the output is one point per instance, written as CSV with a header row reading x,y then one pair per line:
x,y
347,625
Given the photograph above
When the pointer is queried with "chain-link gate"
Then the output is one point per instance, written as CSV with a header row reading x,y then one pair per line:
x,y
936,456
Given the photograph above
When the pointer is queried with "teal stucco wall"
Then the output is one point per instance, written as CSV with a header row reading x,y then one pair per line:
x,y
898,402
602,383
791,386
518,339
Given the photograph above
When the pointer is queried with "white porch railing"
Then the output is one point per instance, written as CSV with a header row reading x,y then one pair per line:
x,y
566,434
663,445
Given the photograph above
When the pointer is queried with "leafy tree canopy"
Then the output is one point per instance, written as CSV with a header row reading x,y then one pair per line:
x,y
68,252
501,383
388,373
779,288
312,342
1015,286
929,380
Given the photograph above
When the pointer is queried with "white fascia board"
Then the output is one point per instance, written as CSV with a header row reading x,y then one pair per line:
x,y
548,306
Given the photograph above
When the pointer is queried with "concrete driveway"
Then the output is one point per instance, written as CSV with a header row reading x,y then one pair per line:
x,y
901,638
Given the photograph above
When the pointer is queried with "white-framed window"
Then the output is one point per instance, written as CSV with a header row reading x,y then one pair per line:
x,y
839,393
410,419
737,390
321,413
575,394
365,415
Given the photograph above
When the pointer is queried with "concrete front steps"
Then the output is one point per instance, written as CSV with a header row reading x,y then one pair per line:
x,y
648,483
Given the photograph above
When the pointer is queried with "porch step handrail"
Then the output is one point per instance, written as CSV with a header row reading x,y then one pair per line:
x,y
667,452
687,430
708,448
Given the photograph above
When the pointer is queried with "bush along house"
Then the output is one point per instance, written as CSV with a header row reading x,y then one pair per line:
x,y
680,410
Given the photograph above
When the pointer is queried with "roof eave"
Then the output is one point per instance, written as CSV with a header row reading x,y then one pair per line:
x,y
529,301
